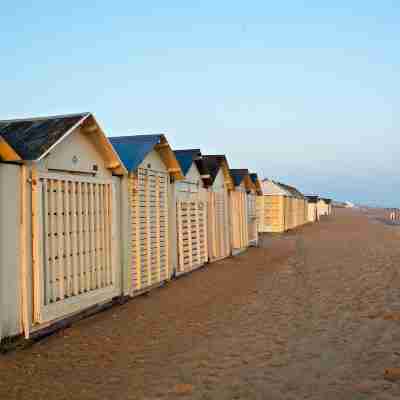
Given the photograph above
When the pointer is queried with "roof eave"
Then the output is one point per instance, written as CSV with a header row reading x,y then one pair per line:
x,y
7,153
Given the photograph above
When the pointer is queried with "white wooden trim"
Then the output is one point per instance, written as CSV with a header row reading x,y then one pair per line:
x,y
74,178
23,249
77,303
66,134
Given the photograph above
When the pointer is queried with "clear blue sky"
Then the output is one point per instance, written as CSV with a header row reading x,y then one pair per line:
x,y
295,90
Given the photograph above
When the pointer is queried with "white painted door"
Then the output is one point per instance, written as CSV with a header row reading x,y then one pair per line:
x,y
150,229
73,244
192,235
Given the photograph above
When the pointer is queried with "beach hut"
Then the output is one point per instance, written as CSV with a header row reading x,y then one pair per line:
x,y
280,208
298,209
324,206
149,210
191,212
219,183
330,205
312,207
273,208
60,233
252,209
239,199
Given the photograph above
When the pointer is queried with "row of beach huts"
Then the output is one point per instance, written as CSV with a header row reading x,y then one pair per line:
x,y
88,220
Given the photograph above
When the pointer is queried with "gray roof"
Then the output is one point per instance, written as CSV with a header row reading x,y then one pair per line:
x,y
30,138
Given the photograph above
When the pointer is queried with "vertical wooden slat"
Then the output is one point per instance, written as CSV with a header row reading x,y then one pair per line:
x,y
60,241
107,235
37,283
158,253
92,210
87,265
137,239
81,243
23,248
180,235
189,233
97,234
166,227
67,237
199,252
112,220
205,230
48,261
74,239
148,235
103,227
55,272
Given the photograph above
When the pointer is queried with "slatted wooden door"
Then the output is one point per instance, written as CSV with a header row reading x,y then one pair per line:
x,y
252,217
192,235
149,204
218,225
240,234
73,229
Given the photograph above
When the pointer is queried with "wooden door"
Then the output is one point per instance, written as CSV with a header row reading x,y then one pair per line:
x,y
192,235
149,204
73,237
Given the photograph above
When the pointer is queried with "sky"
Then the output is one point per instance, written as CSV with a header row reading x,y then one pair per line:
x,y
297,91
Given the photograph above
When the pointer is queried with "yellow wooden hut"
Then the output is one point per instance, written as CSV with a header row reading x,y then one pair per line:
x,y
219,182
280,208
60,234
149,212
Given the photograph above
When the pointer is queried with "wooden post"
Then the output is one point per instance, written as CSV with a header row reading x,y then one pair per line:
x,y
36,267
108,235
46,185
98,235
137,235
74,238
180,236
87,264
81,244
158,253
23,246
67,232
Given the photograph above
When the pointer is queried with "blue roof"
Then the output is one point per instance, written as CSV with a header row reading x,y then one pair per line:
x,y
186,158
132,150
238,175
254,177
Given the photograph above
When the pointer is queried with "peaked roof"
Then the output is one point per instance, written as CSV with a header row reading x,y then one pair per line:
x,y
31,139
256,181
134,149
213,163
238,175
242,175
311,198
292,190
186,158
279,188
